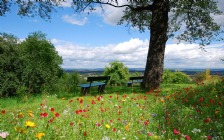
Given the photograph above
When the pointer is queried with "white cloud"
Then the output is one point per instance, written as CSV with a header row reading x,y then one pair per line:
x,y
74,19
111,15
191,56
133,53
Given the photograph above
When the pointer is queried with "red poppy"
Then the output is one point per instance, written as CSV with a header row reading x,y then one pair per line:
x,y
110,96
99,98
207,120
209,137
52,109
51,120
211,101
57,114
93,102
70,101
97,124
81,101
71,123
20,115
146,122
149,134
85,134
77,111
3,111
176,132
114,129
201,99
43,114
187,137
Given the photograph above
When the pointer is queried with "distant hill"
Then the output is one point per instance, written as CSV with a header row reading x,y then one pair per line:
x,y
141,70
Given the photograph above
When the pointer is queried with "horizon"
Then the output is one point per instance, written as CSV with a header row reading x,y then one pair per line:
x,y
94,40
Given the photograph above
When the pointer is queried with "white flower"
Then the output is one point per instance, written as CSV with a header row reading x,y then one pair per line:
x,y
195,130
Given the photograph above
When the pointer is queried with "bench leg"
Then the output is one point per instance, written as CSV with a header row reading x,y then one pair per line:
x,y
85,90
129,84
101,88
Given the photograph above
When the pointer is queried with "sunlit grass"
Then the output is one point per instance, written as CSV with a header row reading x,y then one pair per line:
x,y
174,112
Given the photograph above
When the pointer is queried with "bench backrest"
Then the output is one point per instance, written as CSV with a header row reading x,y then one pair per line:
x,y
98,78
136,78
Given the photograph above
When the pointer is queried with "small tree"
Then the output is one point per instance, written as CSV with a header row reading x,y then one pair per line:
x,y
118,72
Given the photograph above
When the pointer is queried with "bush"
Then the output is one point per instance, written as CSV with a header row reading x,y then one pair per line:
x,y
175,77
199,77
68,83
119,73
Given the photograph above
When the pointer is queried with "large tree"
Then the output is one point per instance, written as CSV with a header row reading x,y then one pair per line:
x,y
32,65
188,20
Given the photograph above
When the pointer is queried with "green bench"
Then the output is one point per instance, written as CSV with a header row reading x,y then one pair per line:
x,y
101,83
135,79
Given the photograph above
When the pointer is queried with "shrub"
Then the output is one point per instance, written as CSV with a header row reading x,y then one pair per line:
x,y
200,76
68,83
175,77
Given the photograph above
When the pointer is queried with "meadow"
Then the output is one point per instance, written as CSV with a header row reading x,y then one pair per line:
x,y
176,112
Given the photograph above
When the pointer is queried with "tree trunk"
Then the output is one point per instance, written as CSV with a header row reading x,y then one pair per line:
x,y
158,37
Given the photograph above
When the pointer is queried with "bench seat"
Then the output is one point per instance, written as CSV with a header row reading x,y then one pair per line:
x,y
92,84
136,79
85,88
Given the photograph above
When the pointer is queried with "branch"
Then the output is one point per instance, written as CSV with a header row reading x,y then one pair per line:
x,y
138,8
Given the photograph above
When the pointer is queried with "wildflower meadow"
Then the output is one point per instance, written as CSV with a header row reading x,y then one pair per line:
x,y
194,112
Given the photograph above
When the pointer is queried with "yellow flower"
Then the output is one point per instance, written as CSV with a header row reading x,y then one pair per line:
x,y
39,135
156,137
107,126
30,124
31,113
63,98
20,130
127,128
162,100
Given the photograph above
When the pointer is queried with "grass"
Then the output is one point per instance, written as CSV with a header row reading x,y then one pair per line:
x,y
177,111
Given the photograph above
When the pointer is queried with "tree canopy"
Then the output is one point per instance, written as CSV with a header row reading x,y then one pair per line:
x,y
32,64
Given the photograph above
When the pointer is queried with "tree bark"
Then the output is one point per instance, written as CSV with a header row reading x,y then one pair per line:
x,y
158,37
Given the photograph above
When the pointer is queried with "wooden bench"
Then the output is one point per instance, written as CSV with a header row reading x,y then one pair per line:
x,y
135,79
85,88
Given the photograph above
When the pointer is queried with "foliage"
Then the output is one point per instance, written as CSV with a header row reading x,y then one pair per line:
x,y
10,64
33,64
199,77
119,73
175,77
68,83
186,113
42,63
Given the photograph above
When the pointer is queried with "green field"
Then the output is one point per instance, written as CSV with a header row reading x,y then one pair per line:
x,y
177,111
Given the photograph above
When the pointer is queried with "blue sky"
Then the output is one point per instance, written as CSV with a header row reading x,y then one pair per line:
x,y
93,40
